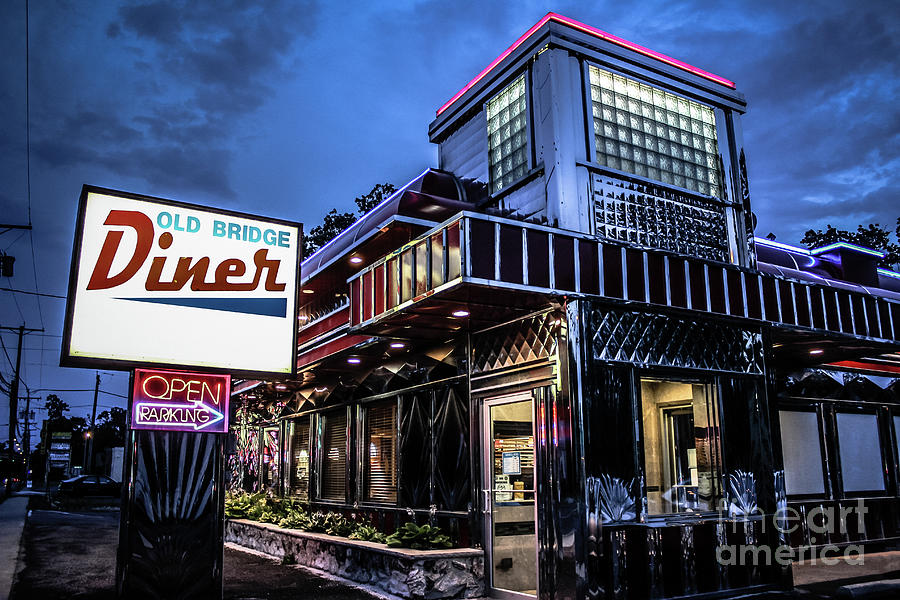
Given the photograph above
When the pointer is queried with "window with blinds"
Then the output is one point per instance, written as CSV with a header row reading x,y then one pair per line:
x,y
381,452
299,485
507,120
334,457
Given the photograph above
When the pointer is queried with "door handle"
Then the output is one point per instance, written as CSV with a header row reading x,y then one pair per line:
x,y
487,502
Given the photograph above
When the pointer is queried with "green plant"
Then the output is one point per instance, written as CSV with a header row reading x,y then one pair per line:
x,y
367,533
418,537
243,505
316,522
337,524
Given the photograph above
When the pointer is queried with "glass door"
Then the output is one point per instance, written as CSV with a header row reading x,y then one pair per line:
x,y
509,496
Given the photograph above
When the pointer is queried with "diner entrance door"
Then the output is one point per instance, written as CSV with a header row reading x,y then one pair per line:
x,y
509,496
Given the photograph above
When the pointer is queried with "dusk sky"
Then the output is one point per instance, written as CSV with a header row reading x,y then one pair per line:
x,y
290,108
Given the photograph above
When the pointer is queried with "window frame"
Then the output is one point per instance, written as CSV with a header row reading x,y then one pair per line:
x,y
363,454
263,466
675,376
816,408
529,134
322,419
857,409
289,456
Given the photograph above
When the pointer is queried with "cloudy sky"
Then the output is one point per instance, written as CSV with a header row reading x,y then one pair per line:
x,y
290,108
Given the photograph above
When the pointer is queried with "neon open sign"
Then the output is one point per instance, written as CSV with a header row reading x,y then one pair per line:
x,y
177,401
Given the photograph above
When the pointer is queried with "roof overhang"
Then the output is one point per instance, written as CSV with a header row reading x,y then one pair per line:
x,y
476,269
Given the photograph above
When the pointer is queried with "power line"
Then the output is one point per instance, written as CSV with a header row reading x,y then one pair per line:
x,y
6,289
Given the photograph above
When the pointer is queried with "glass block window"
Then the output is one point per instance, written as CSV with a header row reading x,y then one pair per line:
x,y
381,452
334,457
507,119
655,134
655,216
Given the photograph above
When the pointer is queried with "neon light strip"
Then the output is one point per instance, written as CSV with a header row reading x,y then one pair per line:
x,y
888,273
867,366
551,16
779,245
849,247
359,220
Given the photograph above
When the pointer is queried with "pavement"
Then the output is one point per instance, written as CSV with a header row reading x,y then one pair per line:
x,y
12,521
73,555
56,555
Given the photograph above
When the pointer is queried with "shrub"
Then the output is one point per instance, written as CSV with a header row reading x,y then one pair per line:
x,y
418,537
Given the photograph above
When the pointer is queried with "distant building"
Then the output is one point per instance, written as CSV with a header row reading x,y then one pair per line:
x,y
567,344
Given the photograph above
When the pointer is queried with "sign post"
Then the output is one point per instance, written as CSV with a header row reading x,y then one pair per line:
x,y
184,297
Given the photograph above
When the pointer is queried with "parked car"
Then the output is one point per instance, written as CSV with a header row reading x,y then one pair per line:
x,y
90,485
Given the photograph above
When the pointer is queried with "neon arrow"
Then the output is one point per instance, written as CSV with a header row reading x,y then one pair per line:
x,y
176,415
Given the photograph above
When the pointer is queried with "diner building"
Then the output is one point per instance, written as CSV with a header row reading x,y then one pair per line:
x,y
565,347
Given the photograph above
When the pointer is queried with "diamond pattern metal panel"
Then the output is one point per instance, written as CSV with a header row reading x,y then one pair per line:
x,y
665,340
517,343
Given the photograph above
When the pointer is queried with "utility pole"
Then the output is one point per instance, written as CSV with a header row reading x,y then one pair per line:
x,y
89,447
14,392
27,433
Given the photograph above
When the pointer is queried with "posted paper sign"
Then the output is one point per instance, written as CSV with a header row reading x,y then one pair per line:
x,y
160,283
176,401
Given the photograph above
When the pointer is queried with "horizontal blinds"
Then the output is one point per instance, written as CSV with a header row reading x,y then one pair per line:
x,y
334,457
300,459
381,452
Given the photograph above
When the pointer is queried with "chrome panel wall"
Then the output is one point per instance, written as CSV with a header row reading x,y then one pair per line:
x,y
827,394
642,556
172,529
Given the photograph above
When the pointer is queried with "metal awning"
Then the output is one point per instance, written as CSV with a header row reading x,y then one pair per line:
x,y
487,269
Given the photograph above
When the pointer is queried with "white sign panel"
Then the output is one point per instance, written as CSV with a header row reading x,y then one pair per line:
x,y
160,283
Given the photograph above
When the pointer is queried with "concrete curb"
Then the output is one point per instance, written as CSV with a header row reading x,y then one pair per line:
x,y
13,512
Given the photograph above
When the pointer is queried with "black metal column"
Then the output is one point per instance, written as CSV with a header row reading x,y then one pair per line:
x,y
171,536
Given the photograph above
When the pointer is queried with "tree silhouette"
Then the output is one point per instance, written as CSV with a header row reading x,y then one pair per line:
x,y
335,222
872,236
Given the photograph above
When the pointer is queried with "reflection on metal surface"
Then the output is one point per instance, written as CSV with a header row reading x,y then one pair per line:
x,y
609,500
741,490
518,343
665,340
170,542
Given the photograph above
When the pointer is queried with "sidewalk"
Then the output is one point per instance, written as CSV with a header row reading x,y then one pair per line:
x,y
12,521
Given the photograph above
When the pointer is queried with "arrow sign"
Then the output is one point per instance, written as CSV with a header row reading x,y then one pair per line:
x,y
164,415
178,401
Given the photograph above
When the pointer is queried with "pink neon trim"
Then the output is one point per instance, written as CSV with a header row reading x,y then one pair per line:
x,y
596,33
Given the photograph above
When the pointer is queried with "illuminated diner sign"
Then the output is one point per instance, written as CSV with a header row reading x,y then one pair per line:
x,y
176,401
157,283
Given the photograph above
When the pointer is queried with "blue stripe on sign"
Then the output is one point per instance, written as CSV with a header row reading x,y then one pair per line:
x,y
267,307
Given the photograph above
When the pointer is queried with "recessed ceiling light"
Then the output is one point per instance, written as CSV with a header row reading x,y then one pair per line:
x,y
816,351
398,345
460,313
308,291
280,386
355,260
353,360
